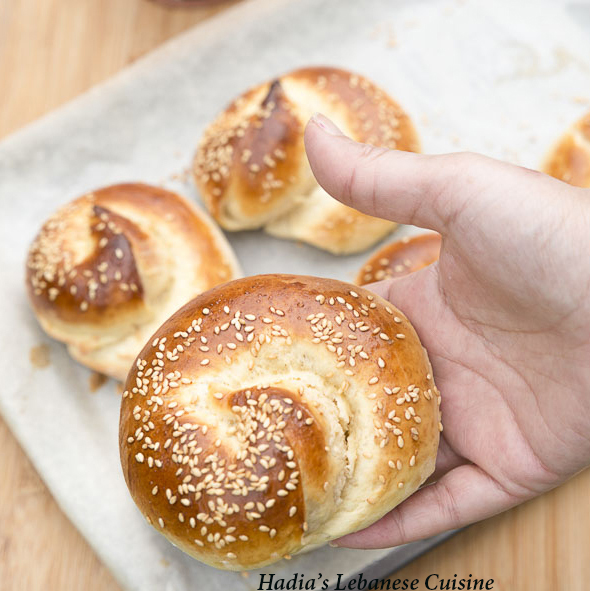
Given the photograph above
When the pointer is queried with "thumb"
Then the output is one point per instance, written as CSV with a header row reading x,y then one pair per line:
x,y
426,191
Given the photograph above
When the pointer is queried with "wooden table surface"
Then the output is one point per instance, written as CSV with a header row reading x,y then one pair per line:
x,y
52,50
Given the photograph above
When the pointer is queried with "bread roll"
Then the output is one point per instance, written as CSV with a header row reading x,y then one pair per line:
x,y
275,413
569,160
251,167
108,268
401,258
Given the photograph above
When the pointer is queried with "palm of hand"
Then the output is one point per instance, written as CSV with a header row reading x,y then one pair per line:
x,y
503,356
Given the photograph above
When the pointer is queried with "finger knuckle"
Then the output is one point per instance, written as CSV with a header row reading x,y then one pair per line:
x,y
398,523
448,505
359,189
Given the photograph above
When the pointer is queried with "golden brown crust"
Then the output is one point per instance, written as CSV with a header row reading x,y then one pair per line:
x,y
569,160
401,258
241,149
101,269
275,413
251,167
372,116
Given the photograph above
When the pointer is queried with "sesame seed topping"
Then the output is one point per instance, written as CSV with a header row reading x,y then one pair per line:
x,y
221,487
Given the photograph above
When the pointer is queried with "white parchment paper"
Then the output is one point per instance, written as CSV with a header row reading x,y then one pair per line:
x,y
504,78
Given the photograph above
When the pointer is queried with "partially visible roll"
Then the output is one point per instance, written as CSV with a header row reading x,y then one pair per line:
x,y
108,268
569,159
252,170
275,413
401,258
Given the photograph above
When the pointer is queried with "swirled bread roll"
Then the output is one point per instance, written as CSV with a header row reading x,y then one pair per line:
x,y
275,413
108,268
569,160
252,170
400,258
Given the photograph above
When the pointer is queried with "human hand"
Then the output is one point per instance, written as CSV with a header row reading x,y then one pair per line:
x,y
504,315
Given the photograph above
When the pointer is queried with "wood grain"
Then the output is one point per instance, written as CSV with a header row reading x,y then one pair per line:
x,y
52,50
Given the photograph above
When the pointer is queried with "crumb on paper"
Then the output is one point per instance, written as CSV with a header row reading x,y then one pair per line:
x,y
375,32
183,176
165,563
581,100
96,381
245,574
391,36
39,356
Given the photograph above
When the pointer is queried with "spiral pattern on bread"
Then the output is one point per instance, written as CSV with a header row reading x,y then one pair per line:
x,y
109,267
252,171
275,413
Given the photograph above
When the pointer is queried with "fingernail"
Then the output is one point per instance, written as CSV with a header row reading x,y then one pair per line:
x,y
326,124
333,544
